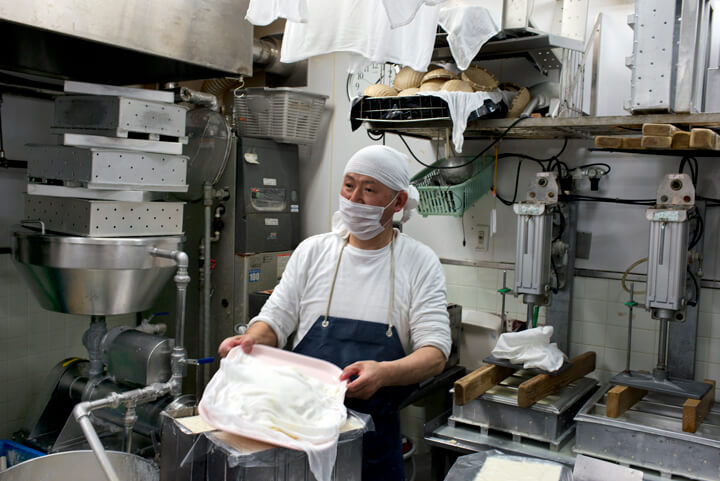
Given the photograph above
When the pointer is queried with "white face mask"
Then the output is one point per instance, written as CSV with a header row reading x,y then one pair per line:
x,y
362,220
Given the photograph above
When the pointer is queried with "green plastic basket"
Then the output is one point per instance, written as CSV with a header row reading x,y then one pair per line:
x,y
453,200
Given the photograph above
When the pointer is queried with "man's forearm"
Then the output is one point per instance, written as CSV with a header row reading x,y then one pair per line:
x,y
262,333
425,362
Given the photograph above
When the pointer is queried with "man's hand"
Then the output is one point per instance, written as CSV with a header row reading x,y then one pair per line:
x,y
258,333
245,341
370,378
425,362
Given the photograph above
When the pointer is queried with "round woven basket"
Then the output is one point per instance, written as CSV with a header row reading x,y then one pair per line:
x,y
407,78
380,90
480,79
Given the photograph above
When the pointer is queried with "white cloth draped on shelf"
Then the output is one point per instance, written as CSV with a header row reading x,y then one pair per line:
x,y
469,26
461,105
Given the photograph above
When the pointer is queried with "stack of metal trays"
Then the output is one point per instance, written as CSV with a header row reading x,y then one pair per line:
x,y
649,435
120,145
549,420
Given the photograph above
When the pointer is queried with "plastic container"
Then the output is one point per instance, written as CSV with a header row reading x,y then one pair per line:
x,y
437,198
15,453
282,114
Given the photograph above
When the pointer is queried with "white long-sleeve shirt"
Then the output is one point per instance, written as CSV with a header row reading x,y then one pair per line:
x,y
362,291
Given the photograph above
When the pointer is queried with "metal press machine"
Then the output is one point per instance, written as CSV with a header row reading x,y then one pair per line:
x,y
500,403
661,420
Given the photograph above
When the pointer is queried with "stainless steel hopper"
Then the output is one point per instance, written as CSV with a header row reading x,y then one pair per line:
x,y
90,275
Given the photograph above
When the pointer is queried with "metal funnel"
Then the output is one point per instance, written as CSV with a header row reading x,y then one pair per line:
x,y
90,275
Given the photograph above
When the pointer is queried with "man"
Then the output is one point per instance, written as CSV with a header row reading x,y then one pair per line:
x,y
367,298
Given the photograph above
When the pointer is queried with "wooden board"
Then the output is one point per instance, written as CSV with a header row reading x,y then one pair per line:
x,y
619,142
681,140
634,143
542,385
622,398
608,142
695,410
704,139
659,130
656,142
477,382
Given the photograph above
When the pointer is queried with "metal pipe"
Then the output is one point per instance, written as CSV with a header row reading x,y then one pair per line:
x,y
92,338
530,315
266,56
208,196
662,345
197,97
630,305
81,413
503,317
182,279
129,421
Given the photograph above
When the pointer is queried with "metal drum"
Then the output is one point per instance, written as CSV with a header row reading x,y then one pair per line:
x,y
82,466
90,275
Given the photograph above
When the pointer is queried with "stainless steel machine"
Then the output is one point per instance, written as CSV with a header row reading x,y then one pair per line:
x,y
534,241
667,294
541,263
85,252
651,430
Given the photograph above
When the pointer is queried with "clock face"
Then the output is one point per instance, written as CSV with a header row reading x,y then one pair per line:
x,y
375,73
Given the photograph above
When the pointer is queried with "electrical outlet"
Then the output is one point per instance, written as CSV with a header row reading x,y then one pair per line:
x,y
482,238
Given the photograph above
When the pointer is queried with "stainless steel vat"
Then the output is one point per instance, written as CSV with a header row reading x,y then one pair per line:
x,y
93,276
81,466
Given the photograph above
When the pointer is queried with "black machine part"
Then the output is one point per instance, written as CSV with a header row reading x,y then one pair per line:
x,y
267,200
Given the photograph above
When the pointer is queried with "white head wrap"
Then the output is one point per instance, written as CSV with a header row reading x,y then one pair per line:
x,y
390,167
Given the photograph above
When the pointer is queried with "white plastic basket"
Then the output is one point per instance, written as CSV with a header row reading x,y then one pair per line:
x,y
282,114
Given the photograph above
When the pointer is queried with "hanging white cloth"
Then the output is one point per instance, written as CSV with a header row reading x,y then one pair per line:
x,y
469,26
264,12
402,12
361,27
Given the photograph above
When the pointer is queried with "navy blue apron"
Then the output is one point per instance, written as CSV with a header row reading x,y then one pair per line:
x,y
345,341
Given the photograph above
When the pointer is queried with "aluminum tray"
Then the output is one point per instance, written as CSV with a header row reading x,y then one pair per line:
x,y
98,168
106,218
549,420
650,435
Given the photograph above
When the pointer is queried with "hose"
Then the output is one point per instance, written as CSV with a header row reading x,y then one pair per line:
x,y
627,271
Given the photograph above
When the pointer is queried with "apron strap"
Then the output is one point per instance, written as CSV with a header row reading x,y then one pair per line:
x,y
388,333
325,322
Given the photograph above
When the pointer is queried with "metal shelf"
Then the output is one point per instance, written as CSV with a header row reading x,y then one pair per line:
x,y
546,128
666,152
535,45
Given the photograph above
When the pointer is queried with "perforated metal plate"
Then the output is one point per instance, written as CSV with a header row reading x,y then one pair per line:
x,y
85,193
117,116
652,60
102,218
108,169
152,146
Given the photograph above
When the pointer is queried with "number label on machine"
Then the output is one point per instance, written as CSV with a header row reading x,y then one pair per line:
x,y
254,275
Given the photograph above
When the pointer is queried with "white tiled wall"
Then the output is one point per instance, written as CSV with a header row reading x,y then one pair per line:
x,y
32,341
599,321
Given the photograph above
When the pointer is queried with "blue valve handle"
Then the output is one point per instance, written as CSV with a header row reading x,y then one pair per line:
x,y
161,314
206,360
